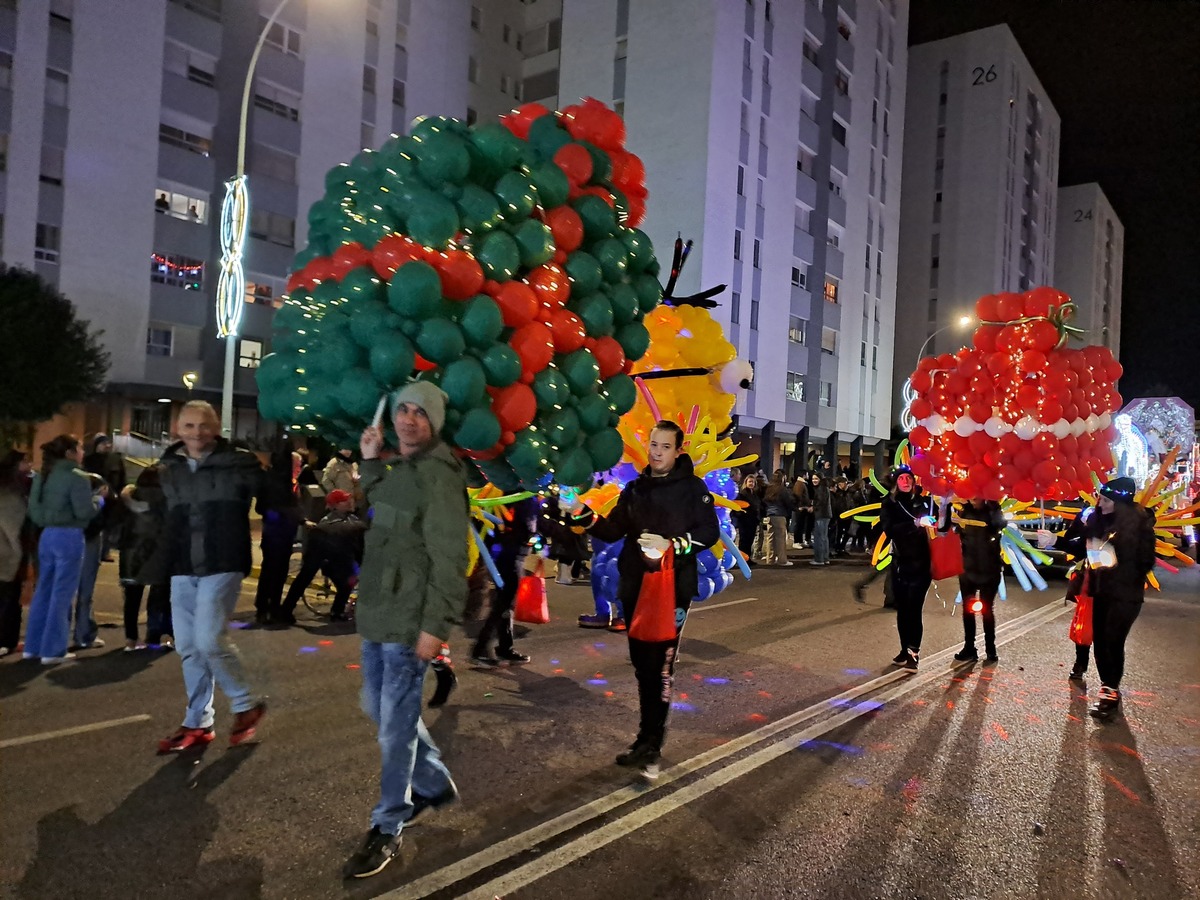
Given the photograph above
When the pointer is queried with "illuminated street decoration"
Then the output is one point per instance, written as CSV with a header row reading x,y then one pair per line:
x,y
231,287
1131,450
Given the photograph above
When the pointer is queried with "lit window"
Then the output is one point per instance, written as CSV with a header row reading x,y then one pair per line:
x,y
797,328
185,205
177,271
829,341
264,290
795,388
159,341
249,354
831,290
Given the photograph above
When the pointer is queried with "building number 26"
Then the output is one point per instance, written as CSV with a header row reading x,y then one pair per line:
x,y
983,76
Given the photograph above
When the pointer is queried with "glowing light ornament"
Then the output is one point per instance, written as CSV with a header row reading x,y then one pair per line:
x,y
231,283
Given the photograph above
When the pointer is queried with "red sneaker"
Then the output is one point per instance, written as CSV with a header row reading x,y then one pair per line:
x,y
245,724
185,739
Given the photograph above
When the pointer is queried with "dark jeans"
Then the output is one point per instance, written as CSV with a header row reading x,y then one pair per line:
x,y
158,611
10,614
511,566
1111,621
872,576
276,556
654,666
987,596
802,531
747,531
1082,651
338,570
910,598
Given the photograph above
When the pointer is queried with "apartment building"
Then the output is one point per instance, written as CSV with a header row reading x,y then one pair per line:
x,y
1088,259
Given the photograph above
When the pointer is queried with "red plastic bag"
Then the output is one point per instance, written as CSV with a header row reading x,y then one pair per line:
x,y
945,555
1081,622
531,605
654,615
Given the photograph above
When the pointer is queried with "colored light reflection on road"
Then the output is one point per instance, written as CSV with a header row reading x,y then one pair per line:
x,y
683,707
239,624
554,662
714,680
597,681
353,666
325,643
856,671
848,749
308,649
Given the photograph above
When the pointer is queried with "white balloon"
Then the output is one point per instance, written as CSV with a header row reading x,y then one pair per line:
x,y
964,426
937,424
1061,429
1077,427
994,426
1092,423
1026,428
1106,420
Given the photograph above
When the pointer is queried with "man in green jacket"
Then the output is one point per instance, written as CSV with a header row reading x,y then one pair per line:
x,y
411,590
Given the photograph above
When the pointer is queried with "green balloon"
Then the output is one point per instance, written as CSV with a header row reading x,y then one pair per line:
x,y
433,222
275,370
499,255
546,137
621,393
415,290
624,303
481,321
479,430
499,473
453,420
634,340
585,272
517,196
430,125
551,183
442,157
641,251
479,208
391,357
593,411
535,243
368,321
562,428
337,178
464,384
599,220
333,356
526,452
575,467
303,258
498,147
322,399
359,393
613,258
581,369
649,291
605,448
601,163
501,365
551,389
596,313
289,317
440,341
362,283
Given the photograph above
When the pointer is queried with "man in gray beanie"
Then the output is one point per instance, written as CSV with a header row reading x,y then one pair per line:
x,y
411,591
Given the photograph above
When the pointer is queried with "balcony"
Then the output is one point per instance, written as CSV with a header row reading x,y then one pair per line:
x,y
834,264
810,133
180,236
845,54
184,166
174,305
194,30
192,98
839,157
837,209
275,131
810,75
841,106
801,302
282,69
806,189
850,8
169,370
802,245
54,126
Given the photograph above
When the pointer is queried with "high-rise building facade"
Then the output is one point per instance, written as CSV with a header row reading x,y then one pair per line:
x,y
1088,259
980,187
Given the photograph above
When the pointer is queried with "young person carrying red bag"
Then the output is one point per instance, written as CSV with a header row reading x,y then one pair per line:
x,y
666,517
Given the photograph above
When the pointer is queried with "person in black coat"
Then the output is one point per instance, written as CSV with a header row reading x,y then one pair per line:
x,y
749,519
979,523
1116,541
905,515
508,547
666,507
143,562
281,518
335,547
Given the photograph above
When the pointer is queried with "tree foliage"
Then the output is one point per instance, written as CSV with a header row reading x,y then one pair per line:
x,y
50,357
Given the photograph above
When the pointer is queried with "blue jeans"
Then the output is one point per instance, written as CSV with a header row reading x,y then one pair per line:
x,y
821,541
60,558
391,696
200,610
85,625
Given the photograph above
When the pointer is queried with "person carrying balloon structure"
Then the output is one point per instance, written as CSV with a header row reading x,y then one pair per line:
x,y
666,517
979,522
905,515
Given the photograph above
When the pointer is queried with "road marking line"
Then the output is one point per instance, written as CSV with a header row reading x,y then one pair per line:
x,y
67,732
700,607
452,874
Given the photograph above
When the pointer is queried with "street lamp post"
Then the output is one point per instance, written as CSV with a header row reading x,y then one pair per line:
x,y
962,322
235,213
907,394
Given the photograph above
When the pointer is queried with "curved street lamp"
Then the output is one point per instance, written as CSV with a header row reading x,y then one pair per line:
x,y
907,394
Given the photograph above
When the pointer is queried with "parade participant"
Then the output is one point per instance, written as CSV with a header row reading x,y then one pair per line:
x,y
63,503
209,485
777,510
666,506
979,523
905,515
143,561
335,548
281,518
14,547
1116,542
411,592
509,547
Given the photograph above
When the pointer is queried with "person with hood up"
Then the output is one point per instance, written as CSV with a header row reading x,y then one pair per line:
x,y
905,515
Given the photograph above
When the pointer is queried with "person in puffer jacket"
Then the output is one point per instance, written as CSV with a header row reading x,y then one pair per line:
x,y
979,523
905,515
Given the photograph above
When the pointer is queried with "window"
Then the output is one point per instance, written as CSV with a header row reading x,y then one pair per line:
x,y
372,28
839,132
277,100
159,341
61,12
741,181
281,37
757,253
476,18
57,84
829,341
190,64
185,140
622,17
862,355
505,83
831,290
273,163
368,79
826,393
273,227
737,245
45,244
366,136
5,70
249,354
875,350
795,388
472,70
177,271
797,330
841,83
264,290
208,9
472,116
754,313
796,276
843,30
506,34
735,308
191,206
397,92
52,165
811,53
803,218
3,152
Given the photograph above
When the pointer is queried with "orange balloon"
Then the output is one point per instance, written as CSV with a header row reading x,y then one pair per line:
x,y
566,226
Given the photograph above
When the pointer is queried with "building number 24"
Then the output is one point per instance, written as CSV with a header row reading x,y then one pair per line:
x,y
1080,215
983,76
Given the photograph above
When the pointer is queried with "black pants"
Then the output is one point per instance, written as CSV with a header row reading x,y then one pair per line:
x,y
338,570
654,666
803,530
987,596
511,566
10,614
909,596
158,611
1082,651
1111,621
276,556
746,534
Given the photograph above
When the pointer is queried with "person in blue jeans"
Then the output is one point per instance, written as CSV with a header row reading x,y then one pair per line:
x,y
209,486
822,512
62,502
412,590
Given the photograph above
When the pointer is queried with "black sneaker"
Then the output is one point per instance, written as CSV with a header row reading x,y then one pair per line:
x,y
900,658
1107,706
447,681
377,851
638,755
858,594
483,661
422,805
992,655
512,657
1078,674
911,658
966,654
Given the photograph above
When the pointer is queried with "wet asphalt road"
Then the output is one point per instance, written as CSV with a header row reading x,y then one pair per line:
x,y
798,764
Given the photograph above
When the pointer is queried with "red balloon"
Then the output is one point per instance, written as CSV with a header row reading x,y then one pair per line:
x,y
921,409
980,443
519,120
460,273
575,162
921,382
1032,361
517,301
1050,411
535,345
999,363
609,355
550,285
1039,300
1009,307
1043,336
421,364
920,437
347,257
985,309
567,331
319,269
1024,490
514,407
393,251
1045,474
566,226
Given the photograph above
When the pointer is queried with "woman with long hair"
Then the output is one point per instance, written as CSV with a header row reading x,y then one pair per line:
x,y
62,502
747,520
777,509
144,563
14,556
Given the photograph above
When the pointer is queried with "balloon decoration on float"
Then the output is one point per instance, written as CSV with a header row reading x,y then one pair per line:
x,y
500,261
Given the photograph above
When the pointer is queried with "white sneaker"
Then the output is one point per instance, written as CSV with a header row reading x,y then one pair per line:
x,y
650,771
28,656
55,660
788,563
4,651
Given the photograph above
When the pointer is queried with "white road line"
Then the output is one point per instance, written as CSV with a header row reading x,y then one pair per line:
x,y
67,732
498,852
700,607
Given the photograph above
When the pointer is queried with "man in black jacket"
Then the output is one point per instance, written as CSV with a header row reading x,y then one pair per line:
x,y
509,548
979,522
667,506
209,486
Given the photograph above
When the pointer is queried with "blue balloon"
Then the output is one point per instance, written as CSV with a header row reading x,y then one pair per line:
x,y
706,587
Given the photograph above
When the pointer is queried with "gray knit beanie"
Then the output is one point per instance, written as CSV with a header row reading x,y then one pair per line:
x,y
429,397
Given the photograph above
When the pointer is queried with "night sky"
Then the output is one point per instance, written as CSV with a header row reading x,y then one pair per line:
x,y
1125,79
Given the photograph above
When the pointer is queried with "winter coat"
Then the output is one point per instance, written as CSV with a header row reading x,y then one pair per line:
x,y
144,551
338,536
111,468
676,505
414,571
64,499
12,526
778,502
568,543
208,510
910,542
822,502
801,495
280,509
752,514
1129,529
512,538
338,476
981,543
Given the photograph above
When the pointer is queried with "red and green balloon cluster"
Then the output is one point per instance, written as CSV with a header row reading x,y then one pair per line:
x,y
499,261
1018,414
